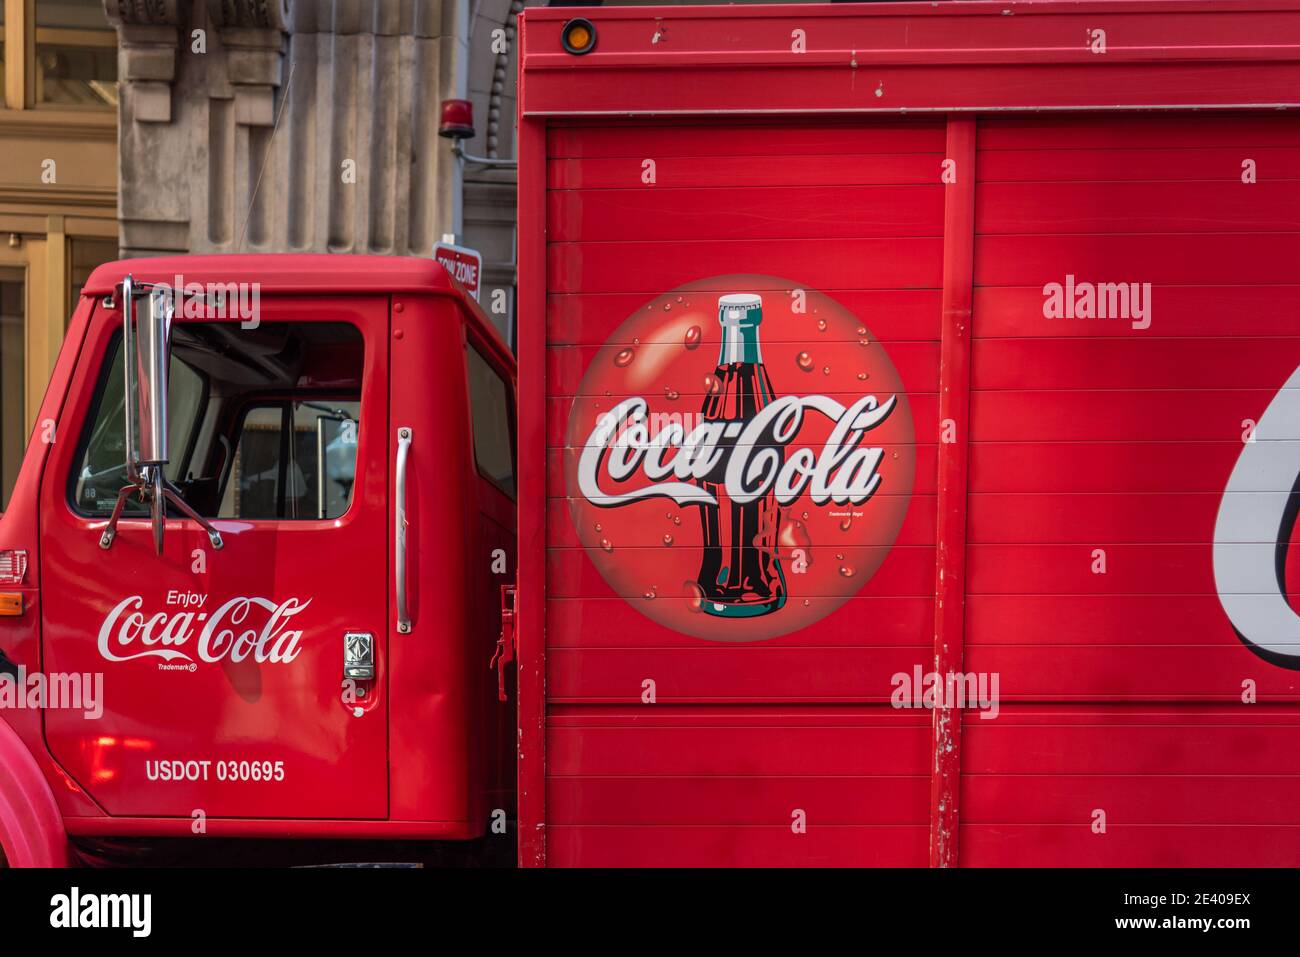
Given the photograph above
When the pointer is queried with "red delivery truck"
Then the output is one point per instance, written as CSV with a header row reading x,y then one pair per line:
x,y
250,573
907,473
909,434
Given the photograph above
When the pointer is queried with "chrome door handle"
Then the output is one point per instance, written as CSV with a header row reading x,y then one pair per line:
x,y
403,452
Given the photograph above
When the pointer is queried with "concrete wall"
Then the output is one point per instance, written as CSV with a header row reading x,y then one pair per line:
x,y
288,125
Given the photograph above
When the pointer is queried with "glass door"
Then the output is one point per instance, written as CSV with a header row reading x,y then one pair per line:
x,y
13,426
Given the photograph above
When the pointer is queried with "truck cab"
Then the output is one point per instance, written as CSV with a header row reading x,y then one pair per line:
x,y
278,621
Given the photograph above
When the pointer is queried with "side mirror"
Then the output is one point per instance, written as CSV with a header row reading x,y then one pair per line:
x,y
147,312
146,354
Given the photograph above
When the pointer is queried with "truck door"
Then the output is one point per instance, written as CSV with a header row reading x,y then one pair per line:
x,y
223,688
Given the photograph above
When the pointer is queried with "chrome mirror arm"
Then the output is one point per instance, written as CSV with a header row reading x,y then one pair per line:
x,y
173,495
110,532
161,490
149,481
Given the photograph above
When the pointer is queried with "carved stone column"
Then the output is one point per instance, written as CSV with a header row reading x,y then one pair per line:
x,y
287,125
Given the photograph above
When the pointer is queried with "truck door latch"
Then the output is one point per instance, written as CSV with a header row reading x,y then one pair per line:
x,y
359,655
505,652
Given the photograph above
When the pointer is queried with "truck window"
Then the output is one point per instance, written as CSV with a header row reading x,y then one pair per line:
x,y
103,466
275,477
262,423
489,403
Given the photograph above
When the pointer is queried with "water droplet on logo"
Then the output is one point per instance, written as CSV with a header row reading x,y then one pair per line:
x,y
671,394
794,534
668,539
692,337
694,595
846,571
821,325
624,359
826,370
606,544
804,361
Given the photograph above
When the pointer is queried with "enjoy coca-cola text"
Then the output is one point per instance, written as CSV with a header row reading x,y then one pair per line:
x,y
228,633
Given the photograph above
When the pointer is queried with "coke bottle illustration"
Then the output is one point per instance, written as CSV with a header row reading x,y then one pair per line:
x,y
740,573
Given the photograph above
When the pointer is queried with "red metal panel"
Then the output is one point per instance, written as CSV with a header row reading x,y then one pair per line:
x,y
652,267
583,319
1113,440
914,57
615,242
950,545
530,614
716,786
1180,786
1120,690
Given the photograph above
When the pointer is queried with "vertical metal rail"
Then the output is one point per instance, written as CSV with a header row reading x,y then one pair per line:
x,y
950,543
530,601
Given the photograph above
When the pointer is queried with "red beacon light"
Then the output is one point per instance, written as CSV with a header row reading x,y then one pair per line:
x,y
457,120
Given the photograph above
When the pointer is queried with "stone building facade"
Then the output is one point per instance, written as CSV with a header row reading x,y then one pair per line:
x,y
300,126
58,192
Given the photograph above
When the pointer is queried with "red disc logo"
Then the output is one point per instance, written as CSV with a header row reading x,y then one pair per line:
x,y
739,458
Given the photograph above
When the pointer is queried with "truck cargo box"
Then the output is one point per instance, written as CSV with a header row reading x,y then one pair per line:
x,y
909,435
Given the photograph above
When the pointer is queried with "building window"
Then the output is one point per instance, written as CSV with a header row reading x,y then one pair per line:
x,y
76,55
1,52
85,254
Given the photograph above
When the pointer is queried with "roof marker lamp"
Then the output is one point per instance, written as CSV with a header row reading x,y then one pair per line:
x,y
578,36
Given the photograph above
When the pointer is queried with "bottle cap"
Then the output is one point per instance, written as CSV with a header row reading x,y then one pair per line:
x,y
742,307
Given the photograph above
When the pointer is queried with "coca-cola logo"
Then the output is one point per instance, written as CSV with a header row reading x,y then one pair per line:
x,y
1254,529
738,460
744,457
256,629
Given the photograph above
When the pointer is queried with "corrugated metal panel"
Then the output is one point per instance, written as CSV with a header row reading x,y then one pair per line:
x,y
735,743
1101,437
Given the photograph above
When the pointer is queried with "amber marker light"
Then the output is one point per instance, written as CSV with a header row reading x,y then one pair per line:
x,y
578,37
